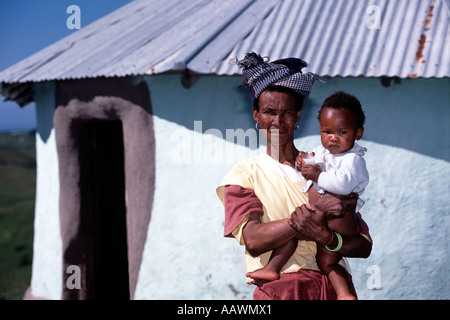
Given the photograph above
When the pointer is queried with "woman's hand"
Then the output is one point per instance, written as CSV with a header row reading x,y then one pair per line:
x,y
310,223
334,205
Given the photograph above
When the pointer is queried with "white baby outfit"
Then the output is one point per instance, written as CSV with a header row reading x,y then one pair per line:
x,y
342,173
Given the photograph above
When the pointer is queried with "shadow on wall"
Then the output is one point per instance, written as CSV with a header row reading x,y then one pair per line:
x,y
410,114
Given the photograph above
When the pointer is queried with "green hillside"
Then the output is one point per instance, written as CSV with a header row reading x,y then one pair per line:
x,y
17,197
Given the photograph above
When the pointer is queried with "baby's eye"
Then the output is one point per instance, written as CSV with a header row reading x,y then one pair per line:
x,y
342,132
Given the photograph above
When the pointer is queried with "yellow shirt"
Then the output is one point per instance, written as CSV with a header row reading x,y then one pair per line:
x,y
277,186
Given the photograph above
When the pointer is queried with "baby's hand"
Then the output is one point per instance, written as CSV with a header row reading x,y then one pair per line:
x,y
299,159
311,172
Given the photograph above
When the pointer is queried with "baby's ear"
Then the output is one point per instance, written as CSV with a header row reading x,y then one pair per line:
x,y
359,133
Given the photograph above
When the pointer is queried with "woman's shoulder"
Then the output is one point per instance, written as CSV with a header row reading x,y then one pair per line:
x,y
248,163
241,173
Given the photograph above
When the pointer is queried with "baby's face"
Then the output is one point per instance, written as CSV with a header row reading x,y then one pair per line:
x,y
338,130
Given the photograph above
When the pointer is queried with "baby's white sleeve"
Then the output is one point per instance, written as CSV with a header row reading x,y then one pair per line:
x,y
351,176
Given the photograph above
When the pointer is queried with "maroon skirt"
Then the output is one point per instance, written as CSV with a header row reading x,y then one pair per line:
x,y
301,285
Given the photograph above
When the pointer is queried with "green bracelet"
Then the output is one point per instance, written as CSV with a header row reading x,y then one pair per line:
x,y
339,245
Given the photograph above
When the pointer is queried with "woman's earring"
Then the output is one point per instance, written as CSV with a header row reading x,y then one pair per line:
x,y
297,126
257,126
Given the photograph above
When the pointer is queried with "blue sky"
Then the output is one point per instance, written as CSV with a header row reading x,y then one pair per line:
x,y
31,25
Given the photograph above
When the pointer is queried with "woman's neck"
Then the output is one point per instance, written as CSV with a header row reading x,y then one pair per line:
x,y
285,154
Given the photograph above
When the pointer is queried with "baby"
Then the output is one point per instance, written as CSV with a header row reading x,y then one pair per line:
x,y
339,168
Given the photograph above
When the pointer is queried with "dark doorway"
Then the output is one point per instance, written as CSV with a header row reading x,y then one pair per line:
x,y
103,210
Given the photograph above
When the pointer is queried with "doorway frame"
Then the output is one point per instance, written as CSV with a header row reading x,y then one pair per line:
x,y
104,99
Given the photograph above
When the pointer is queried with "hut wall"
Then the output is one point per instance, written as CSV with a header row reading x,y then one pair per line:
x,y
202,131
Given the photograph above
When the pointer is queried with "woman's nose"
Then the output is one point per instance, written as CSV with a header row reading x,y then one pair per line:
x,y
277,120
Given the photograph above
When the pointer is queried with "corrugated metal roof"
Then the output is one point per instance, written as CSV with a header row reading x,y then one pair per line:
x,y
140,38
334,38
204,36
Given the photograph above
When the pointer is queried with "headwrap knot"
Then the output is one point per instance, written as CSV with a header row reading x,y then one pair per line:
x,y
260,74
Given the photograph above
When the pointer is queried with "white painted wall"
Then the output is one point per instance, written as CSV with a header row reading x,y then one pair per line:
x,y
46,277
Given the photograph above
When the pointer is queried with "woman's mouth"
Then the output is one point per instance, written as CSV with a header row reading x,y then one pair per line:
x,y
277,131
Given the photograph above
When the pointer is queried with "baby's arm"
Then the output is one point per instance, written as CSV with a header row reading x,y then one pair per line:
x,y
347,224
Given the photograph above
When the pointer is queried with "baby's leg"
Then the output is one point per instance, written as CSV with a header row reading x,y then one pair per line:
x,y
277,260
328,263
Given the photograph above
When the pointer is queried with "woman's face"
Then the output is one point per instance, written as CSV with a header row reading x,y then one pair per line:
x,y
277,115
338,129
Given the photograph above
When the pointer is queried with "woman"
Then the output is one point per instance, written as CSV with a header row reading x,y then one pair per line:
x,y
264,207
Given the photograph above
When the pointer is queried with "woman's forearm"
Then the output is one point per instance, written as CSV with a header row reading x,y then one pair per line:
x,y
262,237
351,246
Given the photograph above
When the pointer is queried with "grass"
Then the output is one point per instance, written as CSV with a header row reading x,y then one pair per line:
x,y
17,198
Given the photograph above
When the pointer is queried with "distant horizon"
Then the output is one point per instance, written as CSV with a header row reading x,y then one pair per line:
x,y
20,131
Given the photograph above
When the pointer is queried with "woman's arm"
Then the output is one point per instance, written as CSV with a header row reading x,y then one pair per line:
x,y
310,225
242,204
261,237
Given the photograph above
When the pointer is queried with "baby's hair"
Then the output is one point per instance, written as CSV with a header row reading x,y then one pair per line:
x,y
340,100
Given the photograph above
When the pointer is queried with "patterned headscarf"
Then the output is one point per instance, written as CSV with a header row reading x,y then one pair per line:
x,y
260,74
